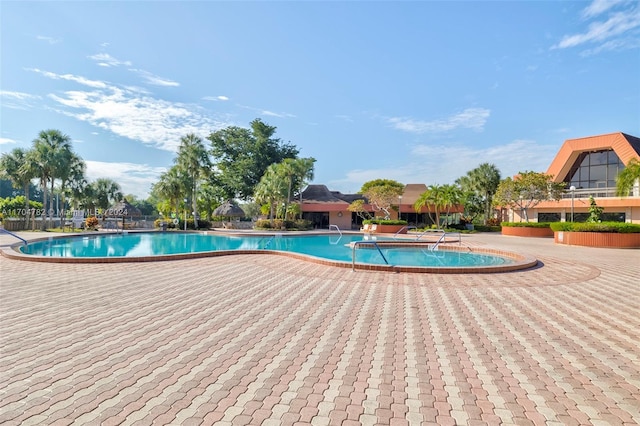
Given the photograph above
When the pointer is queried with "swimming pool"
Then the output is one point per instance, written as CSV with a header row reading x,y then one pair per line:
x,y
379,254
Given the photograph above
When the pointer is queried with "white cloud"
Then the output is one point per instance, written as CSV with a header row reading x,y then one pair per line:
x,y
269,113
70,77
130,114
440,164
4,141
133,178
612,33
18,95
17,100
154,79
49,40
215,98
598,7
470,118
106,60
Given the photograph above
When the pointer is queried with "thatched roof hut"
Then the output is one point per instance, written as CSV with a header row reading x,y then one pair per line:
x,y
229,209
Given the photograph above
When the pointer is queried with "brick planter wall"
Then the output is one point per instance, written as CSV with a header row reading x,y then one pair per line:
x,y
598,239
523,231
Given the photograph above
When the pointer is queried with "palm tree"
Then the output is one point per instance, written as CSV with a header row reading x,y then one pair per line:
x,y
451,196
50,154
432,196
484,181
294,172
304,174
72,176
271,189
16,167
105,193
169,187
193,161
628,178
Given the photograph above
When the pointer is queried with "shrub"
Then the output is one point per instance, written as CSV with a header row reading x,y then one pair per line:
x,y
289,225
488,228
202,224
494,221
91,222
526,224
561,226
611,227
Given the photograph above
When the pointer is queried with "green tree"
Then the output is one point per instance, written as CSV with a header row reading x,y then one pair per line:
x,y
433,196
242,156
452,196
146,207
382,194
527,190
15,167
106,192
211,196
594,211
169,187
72,176
627,178
357,207
194,164
49,155
295,172
271,190
482,181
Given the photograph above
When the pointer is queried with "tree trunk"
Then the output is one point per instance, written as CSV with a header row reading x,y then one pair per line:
x,y
43,225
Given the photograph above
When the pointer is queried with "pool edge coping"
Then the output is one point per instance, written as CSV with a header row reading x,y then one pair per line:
x,y
520,261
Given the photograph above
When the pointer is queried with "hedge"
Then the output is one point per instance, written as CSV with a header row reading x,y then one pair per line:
x,y
611,227
526,224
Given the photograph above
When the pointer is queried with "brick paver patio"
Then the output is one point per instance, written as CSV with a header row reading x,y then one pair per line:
x,y
268,340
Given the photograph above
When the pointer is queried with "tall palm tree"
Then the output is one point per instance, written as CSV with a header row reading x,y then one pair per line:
x,y
72,176
15,166
169,187
484,180
432,196
451,196
271,189
304,174
193,161
628,178
50,155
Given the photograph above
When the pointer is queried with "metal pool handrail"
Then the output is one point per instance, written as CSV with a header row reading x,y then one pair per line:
x,y
339,232
355,244
337,228
402,229
13,235
443,238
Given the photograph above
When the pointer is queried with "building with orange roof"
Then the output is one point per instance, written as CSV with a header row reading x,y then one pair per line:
x,y
589,167
324,207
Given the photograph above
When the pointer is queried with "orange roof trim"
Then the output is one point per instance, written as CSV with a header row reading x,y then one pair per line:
x,y
626,147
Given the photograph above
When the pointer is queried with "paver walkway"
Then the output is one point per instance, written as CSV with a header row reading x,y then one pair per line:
x,y
268,340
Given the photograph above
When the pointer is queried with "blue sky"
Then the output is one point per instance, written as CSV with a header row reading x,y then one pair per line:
x,y
419,92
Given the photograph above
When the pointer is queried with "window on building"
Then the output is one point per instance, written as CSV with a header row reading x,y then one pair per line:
x,y
595,170
548,217
604,217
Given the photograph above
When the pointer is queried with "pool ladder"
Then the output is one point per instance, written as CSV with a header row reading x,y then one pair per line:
x,y
339,232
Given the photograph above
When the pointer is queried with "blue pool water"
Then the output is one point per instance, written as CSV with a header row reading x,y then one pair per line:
x,y
331,247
